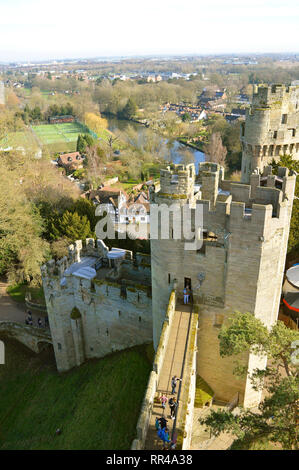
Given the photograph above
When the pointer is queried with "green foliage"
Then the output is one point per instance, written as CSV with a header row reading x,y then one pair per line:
x,y
18,293
63,110
69,225
186,117
252,443
96,405
137,245
243,332
129,110
288,162
84,207
277,416
80,173
84,141
22,250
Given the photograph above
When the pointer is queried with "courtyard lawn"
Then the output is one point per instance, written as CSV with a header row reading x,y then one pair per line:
x,y
96,405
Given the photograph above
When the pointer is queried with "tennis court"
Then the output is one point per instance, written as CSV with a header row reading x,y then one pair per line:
x,y
60,137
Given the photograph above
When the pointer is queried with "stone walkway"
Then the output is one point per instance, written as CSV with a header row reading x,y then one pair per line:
x,y
172,366
201,439
13,311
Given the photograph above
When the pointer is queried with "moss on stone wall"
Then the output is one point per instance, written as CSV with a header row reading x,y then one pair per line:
x,y
75,314
203,394
173,196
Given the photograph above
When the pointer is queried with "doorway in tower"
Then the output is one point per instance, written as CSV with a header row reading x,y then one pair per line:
x,y
187,282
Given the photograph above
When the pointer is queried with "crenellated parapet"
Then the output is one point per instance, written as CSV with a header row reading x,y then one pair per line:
x,y
76,251
176,181
271,127
267,196
98,301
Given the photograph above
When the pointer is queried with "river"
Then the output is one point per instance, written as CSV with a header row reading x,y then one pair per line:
x,y
175,151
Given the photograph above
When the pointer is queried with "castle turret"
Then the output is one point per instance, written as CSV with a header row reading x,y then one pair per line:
x,y
241,259
271,127
176,191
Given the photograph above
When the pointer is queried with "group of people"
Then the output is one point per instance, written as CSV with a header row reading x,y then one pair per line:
x,y
29,320
161,423
163,433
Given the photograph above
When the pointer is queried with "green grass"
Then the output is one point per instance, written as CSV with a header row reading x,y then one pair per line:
x,y
96,405
59,137
251,443
203,392
17,139
18,292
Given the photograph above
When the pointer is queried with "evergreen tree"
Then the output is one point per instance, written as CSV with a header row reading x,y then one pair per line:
x,y
69,225
130,109
277,415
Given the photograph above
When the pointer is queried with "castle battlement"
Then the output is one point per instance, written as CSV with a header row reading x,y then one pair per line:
x,y
177,180
88,248
98,301
264,190
276,94
271,127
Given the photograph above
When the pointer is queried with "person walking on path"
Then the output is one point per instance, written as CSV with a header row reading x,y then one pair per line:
x,y
164,436
173,407
163,422
173,384
185,291
189,293
39,322
163,400
157,424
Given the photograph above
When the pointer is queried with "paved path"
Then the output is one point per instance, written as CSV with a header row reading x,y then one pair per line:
x,y
11,310
172,366
201,439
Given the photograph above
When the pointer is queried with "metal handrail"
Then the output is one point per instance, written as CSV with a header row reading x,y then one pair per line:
x,y
182,371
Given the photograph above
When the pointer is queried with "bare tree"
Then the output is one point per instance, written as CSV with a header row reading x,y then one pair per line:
x,y
215,150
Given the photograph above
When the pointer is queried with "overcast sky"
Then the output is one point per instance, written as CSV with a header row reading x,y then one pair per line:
x,y
33,30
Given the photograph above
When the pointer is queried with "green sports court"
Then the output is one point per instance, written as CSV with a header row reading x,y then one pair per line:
x,y
60,137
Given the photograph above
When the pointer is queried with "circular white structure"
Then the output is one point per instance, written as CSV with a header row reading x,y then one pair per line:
x,y
293,275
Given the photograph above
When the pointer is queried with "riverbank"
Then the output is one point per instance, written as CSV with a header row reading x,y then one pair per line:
x,y
175,148
197,146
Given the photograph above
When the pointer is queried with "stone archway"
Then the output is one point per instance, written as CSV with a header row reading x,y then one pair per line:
x,y
44,346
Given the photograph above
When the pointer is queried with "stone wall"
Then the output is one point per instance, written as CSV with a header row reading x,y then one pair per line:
x,y
33,338
187,397
147,404
109,315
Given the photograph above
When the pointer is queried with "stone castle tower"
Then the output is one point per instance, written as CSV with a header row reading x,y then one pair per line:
x,y
100,301
244,242
271,128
